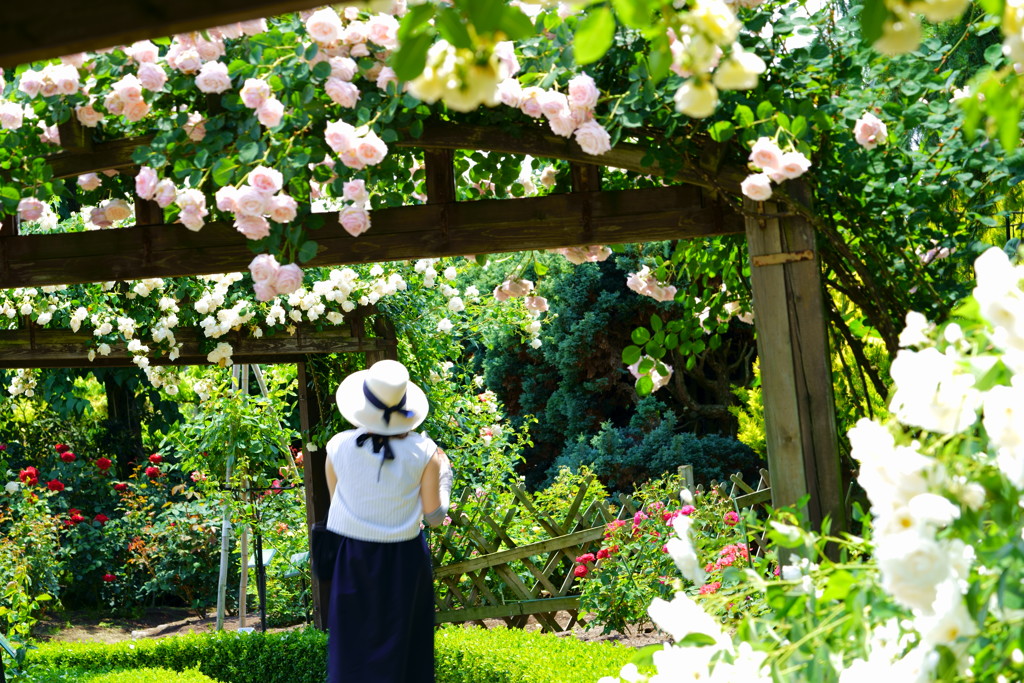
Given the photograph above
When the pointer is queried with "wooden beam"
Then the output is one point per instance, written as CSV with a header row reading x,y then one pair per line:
x,y
28,34
100,156
314,477
792,345
45,348
407,232
522,607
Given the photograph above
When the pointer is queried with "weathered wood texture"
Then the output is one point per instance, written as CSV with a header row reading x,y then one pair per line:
x,y
314,481
29,33
44,348
407,232
803,456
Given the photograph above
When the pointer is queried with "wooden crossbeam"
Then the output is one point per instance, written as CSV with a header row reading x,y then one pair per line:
x,y
43,348
68,26
407,232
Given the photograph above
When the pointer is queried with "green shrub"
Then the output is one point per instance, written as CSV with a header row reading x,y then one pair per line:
x,y
150,676
464,655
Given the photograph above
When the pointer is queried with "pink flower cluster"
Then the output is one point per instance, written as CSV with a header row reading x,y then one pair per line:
x,y
125,98
256,94
54,79
326,28
339,86
354,217
580,255
776,166
271,278
727,557
510,289
30,209
12,115
566,114
191,202
108,212
356,149
657,378
869,131
256,201
645,283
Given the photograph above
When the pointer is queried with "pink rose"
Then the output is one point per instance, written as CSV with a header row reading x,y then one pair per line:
x,y
210,50
253,227
145,182
382,29
87,115
136,110
254,27
270,112
355,191
30,209
143,51
510,92
165,193
355,33
186,61
265,179
213,78
229,31
339,136
195,127
225,198
11,115
537,304
282,208
562,125
344,68
530,102
869,131
264,268
255,92
553,103
31,82
250,202
792,165
116,209
593,138
765,154
508,64
264,290
192,218
757,186
583,92
288,279
89,181
152,76
99,218
371,149
128,88
385,77
342,93
113,103
49,135
324,26
355,220
65,77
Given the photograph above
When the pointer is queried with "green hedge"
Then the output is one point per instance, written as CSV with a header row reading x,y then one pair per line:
x,y
463,655
150,676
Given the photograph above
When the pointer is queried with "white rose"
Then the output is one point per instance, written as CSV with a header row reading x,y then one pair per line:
x,y
757,186
739,71
697,99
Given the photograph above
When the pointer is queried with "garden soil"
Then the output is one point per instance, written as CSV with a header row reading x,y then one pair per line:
x,y
161,622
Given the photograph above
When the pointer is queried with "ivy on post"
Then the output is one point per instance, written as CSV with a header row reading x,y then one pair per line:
x,y
803,454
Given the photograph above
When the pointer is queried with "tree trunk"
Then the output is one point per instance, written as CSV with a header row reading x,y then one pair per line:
x,y
124,428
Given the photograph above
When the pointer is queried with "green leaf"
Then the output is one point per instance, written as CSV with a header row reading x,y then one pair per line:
x,y
744,116
248,152
223,171
656,323
594,35
322,70
485,15
721,131
630,355
641,336
416,18
871,19
634,13
765,110
307,251
410,58
539,268
698,639
644,386
453,28
515,24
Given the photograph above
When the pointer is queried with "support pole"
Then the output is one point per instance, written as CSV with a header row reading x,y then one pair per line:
x,y
796,370
315,479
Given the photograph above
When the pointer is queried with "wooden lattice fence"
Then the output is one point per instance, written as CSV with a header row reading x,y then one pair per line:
x,y
480,560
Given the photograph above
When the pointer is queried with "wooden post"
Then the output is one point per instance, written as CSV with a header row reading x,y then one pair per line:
x,y
317,499
796,371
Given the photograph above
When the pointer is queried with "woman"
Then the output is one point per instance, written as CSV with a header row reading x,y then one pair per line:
x,y
384,478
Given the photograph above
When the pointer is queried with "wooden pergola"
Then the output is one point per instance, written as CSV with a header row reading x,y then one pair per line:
x,y
785,269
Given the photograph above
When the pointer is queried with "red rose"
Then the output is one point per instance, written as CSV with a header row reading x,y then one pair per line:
x,y
3,447
61,448
109,578
101,519
603,553
77,518
120,486
29,476
55,485
152,472
104,464
588,557
276,486
731,518
156,458
580,571
68,456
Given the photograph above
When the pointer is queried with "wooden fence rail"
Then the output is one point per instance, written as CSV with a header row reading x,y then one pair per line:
x,y
483,573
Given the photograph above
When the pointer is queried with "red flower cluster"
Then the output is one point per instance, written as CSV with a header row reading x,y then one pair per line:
x,y
29,476
68,456
109,578
580,571
76,517
120,486
156,458
276,486
152,472
709,588
612,526
101,519
55,485
727,557
61,448
104,464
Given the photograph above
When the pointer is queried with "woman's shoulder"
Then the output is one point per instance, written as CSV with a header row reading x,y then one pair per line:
x,y
335,441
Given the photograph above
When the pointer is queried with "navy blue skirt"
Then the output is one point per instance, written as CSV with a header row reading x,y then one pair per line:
x,y
381,619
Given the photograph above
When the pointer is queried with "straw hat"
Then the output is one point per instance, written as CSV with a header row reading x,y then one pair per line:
x,y
373,399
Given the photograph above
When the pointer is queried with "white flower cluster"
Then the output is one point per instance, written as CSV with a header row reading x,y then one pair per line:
x,y
24,383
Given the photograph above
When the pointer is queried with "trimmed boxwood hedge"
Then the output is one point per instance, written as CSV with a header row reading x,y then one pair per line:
x,y
463,655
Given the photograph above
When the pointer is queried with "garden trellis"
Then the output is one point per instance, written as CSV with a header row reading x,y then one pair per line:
x,y
788,302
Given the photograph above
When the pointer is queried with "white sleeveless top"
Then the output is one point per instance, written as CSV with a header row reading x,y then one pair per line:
x,y
387,509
